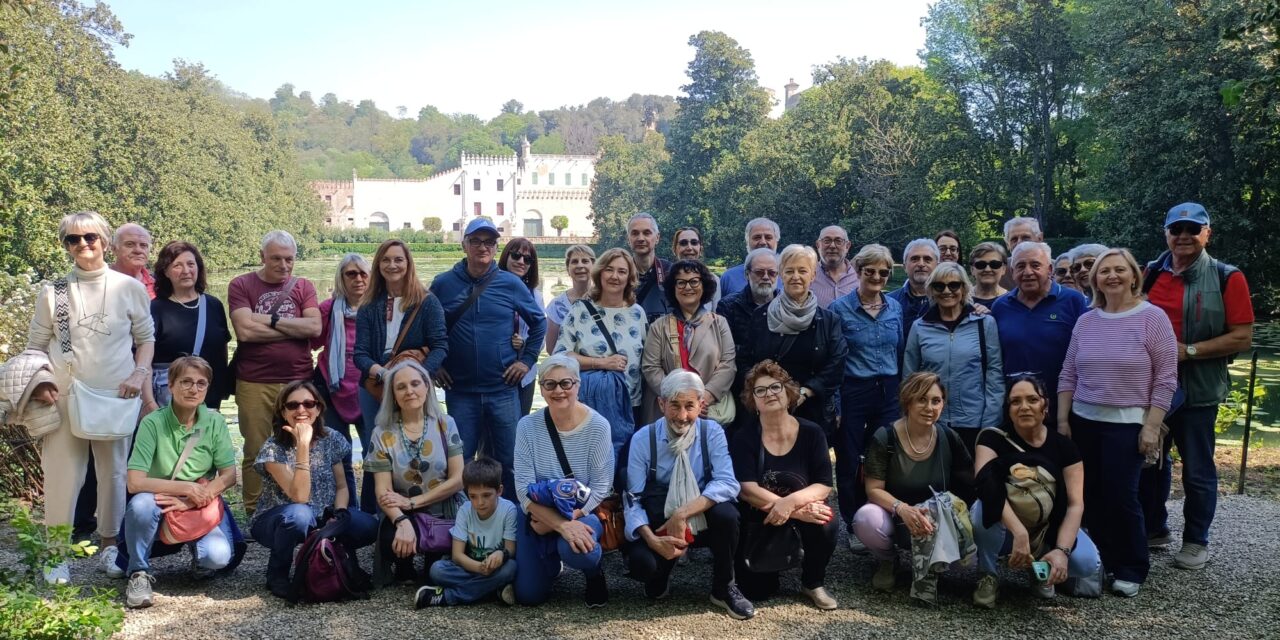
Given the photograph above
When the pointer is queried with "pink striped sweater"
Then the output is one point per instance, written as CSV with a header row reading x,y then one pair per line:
x,y
1127,359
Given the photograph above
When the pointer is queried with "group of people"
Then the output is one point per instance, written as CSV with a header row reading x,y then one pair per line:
x,y
682,410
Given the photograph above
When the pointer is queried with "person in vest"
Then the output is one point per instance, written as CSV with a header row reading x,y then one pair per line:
x,y
1208,304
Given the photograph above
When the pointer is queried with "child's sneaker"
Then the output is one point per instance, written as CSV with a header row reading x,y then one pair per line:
x,y
508,595
429,596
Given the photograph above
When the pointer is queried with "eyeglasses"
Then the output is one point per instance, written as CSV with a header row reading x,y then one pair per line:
x,y
1175,229
75,238
187,383
487,243
521,257
563,383
953,286
355,273
871,272
832,242
293,405
983,265
771,390
1061,271
690,242
764,273
1083,265
691,283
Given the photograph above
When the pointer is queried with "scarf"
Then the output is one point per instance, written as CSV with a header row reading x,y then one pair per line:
x,y
683,487
337,348
788,317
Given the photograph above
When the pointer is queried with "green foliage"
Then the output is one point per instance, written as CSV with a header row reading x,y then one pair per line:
x,y
1232,412
559,223
17,304
376,236
627,178
432,225
370,248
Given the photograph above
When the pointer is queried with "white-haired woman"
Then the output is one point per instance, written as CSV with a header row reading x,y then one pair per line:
x,y
415,456
96,326
963,348
551,531
1083,258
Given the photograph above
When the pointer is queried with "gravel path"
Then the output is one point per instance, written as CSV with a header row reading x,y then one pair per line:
x,y
1237,596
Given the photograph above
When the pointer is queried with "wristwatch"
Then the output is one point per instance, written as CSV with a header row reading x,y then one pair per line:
x,y
275,317
1066,551
1191,351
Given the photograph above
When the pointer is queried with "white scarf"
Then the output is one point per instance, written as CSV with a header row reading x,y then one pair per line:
x,y
683,487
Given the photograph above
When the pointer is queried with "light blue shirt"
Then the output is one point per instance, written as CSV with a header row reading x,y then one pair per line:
x,y
875,344
722,486
733,280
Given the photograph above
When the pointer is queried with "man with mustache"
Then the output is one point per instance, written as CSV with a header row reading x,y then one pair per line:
x,y
737,308
1016,231
919,259
836,276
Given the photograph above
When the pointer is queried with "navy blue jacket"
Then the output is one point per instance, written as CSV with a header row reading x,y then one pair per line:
x,y
427,331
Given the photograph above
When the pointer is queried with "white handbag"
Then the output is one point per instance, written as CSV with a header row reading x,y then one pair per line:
x,y
101,414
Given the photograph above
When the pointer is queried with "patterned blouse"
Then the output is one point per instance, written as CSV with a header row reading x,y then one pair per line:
x,y
325,453
423,464
580,334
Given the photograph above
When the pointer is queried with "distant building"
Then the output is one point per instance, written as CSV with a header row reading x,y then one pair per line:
x,y
792,95
520,194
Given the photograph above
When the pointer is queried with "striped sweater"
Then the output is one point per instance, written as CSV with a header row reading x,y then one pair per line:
x,y
588,446
1123,360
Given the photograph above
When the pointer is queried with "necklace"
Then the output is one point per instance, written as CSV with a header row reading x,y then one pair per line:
x,y
412,446
194,304
96,322
933,433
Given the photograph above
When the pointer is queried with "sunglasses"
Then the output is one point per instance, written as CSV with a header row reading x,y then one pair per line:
x,y
690,242
692,283
871,273
521,257
565,383
939,287
1083,265
983,265
1175,229
75,238
355,273
293,405
1061,271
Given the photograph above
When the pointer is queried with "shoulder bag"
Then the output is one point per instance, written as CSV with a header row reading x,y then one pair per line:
x,y
768,548
725,409
433,530
178,527
1030,490
374,385
609,511
94,414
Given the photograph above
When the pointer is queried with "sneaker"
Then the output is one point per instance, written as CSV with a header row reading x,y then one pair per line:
x,y
736,604
988,591
198,572
855,545
508,595
1192,556
1159,540
138,594
109,556
597,594
1044,591
658,587
883,580
821,599
60,574
1124,588
429,596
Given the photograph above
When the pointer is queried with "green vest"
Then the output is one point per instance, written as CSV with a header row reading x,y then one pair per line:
x,y
1206,381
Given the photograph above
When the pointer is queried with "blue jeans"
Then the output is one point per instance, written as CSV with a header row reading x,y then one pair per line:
x,y
539,559
284,527
866,404
487,424
143,516
997,541
606,392
1112,512
463,587
1191,428
369,406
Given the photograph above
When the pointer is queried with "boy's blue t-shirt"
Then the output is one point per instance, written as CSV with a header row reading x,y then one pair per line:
x,y
483,537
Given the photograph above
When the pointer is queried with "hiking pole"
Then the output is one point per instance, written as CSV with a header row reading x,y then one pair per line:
x,y
1248,420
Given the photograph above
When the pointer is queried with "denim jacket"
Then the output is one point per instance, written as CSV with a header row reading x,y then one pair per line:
x,y
875,344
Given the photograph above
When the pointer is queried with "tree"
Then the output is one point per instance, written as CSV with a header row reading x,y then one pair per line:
x,y
513,106
559,223
627,178
432,224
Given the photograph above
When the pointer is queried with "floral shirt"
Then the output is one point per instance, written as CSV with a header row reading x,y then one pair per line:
x,y
325,453
580,334
423,464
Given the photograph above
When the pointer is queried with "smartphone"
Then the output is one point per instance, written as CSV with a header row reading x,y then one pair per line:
x,y
1041,569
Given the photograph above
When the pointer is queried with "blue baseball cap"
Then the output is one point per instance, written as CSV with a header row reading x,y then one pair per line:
x,y
1189,212
481,224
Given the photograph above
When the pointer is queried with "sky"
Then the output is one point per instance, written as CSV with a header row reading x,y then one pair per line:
x,y
471,57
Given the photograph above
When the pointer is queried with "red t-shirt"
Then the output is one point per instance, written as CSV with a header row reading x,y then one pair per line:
x,y
283,361
1169,290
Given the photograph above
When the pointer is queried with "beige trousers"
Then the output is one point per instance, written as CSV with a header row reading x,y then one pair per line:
x,y
255,404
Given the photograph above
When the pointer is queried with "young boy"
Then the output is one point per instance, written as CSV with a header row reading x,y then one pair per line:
x,y
484,544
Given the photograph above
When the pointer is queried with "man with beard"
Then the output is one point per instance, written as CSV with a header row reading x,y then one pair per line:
x,y
737,308
836,276
919,259
761,233
643,238
679,471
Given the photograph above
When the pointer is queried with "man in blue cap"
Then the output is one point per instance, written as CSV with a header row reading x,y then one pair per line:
x,y
1208,303
482,374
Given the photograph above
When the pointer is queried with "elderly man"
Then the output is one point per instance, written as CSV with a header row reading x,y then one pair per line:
x,y
738,308
761,233
1036,323
131,245
1220,326
642,238
1016,231
919,259
681,492
482,373
274,315
836,276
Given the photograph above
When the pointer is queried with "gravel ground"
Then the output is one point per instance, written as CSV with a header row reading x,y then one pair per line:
x,y
1236,596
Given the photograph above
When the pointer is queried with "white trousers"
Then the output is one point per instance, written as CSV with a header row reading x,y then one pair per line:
x,y
65,459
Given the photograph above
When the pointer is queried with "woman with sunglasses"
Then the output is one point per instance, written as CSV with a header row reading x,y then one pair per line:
x,y
107,344
963,348
520,257
302,483
988,264
1062,271
1082,259
872,325
578,261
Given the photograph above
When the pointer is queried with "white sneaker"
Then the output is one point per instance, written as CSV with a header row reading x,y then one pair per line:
x,y
109,556
1124,588
138,594
508,595
60,574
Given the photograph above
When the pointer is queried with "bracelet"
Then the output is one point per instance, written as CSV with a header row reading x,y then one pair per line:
x,y
896,504
1066,551
144,370
400,518
302,466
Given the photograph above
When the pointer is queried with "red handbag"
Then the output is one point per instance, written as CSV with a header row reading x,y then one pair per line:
x,y
179,527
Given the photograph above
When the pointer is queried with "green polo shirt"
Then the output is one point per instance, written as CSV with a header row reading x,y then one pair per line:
x,y
161,439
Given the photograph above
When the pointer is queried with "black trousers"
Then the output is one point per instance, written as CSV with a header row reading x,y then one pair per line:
x,y
721,536
85,522
386,533
819,543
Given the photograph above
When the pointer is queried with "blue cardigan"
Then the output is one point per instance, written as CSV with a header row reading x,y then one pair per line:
x,y
427,331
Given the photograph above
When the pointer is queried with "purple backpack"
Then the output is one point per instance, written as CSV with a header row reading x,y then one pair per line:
x,y
324,571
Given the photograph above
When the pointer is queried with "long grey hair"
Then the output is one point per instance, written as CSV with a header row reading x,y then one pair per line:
x,y
389,411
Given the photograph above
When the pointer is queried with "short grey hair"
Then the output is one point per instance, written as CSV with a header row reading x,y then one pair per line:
x,y
950,269
983,248
389,411
1013,222
279,238
1066,256
1089,250
340,283
644,216
756,222
559,361
756,253
91,220
798,252
680,381
931,245
1027,247
872,254
128,227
